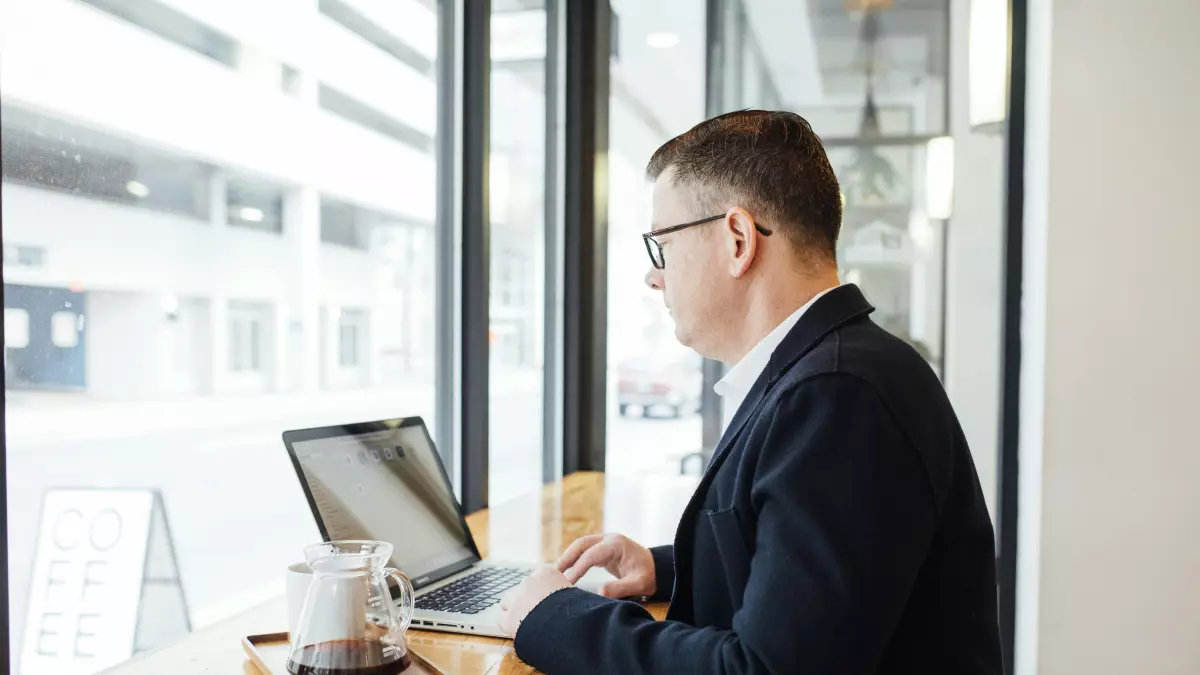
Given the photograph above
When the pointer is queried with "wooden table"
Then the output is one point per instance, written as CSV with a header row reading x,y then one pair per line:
x,y
535,527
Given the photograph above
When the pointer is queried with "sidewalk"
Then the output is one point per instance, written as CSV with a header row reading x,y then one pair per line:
x,y
37,418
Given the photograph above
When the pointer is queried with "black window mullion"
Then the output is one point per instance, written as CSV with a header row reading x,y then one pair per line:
x,y
585,239
474,388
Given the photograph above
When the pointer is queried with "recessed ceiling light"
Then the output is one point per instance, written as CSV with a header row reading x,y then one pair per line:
x,y
137,189
251,214
662,40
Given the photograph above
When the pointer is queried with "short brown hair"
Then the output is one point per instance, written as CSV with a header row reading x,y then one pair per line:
x,y
772,162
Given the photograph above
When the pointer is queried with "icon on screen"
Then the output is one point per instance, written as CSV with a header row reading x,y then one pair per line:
x,y
400,451
388,454
375,456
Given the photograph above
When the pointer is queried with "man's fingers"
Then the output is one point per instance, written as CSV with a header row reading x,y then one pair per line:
x,y
593,557
506,601
576,549
623,588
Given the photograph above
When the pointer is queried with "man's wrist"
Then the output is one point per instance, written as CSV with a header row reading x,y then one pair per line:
x,y
534,625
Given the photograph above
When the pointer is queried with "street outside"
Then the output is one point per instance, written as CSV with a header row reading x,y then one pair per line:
x,y
227,482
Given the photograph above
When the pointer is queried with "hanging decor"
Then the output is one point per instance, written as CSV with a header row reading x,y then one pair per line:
x,y
870,176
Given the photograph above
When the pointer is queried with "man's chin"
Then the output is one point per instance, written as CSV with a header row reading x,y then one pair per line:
x,y
683,336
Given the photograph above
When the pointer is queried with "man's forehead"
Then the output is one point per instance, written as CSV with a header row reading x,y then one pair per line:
x,y
669,195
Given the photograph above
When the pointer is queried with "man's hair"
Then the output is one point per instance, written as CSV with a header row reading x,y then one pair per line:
x,y
771,164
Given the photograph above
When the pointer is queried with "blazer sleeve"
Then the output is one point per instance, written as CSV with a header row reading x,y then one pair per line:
x,y
664,572
843,517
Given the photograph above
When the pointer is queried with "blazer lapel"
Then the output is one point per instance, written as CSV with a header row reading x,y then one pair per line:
x,y
836,308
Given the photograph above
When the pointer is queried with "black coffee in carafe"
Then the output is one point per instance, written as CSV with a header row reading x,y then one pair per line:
x,y
348,657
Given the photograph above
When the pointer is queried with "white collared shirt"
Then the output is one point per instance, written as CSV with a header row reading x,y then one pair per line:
x,y
738,381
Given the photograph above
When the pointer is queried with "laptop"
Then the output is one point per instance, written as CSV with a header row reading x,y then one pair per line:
x,y
385,481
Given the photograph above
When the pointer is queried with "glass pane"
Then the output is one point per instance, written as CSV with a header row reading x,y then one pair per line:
x,y
16,328
517,202
654,383
889,245
215,230
64,329
850,68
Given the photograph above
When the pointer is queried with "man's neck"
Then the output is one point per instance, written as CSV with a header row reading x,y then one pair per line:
x,y
770,305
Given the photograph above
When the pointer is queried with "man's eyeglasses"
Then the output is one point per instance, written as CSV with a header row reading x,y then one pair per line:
x,y
654,249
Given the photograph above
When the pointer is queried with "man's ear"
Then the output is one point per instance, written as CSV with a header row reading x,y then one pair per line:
x,y
741,242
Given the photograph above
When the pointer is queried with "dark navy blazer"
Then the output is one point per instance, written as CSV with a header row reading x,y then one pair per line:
x,y
840,528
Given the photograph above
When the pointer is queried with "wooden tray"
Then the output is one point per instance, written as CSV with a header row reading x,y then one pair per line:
x,y
269,654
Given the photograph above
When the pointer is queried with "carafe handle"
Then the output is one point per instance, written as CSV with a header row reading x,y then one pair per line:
x,y
407,596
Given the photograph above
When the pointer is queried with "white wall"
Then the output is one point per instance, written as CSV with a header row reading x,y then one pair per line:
x,y
102,245
128,347
347,283
1110,457
107,246
347,276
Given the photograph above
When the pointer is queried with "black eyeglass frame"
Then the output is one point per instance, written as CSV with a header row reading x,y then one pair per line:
x,y
661,262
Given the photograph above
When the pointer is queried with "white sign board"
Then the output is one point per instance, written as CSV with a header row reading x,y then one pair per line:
x,y
87,581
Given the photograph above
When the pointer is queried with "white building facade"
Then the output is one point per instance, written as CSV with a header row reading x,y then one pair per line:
x,y
215,205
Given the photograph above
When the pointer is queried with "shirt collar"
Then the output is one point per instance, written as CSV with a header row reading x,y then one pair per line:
x,y
741,377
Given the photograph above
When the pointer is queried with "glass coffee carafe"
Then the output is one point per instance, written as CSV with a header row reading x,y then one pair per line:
x,y
349,624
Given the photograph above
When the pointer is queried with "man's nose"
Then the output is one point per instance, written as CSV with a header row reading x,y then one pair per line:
x,y
655,279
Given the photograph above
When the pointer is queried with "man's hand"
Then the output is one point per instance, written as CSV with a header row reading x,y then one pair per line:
x,y
630,562
520,601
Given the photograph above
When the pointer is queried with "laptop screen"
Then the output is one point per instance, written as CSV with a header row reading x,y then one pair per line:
x,y
384,481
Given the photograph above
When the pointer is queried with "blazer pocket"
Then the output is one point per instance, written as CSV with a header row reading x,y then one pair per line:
x,y
731,546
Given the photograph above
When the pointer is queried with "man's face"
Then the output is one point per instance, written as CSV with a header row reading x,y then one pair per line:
x,y
693,284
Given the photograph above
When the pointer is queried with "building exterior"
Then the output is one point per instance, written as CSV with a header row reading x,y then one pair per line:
x,y
206,204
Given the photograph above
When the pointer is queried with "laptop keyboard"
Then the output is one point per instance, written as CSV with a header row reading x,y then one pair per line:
x,y
475,593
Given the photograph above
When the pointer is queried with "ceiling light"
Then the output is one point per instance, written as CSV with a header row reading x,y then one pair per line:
x,y
662,40
251,214
137,189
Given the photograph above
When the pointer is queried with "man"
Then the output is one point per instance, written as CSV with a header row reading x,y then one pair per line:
x,y
840,526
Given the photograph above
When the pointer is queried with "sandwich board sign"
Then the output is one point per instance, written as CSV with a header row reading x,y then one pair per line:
x,y
105,582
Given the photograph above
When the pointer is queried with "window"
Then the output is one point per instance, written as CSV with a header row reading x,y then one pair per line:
x,y
64,329
245,344
344,224
183,209
654,384
16,328
50,154
350,333
518,234
254,205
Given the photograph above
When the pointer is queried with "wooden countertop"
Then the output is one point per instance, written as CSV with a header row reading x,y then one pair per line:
x,y
535,527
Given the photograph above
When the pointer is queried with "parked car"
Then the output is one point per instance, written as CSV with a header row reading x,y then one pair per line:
x,y
653,386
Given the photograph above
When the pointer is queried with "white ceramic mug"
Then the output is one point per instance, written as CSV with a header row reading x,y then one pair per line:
x,y
299,577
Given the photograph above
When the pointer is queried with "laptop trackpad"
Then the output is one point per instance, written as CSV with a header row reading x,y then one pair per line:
x,y
594,579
